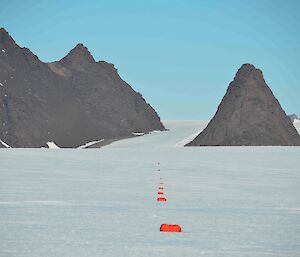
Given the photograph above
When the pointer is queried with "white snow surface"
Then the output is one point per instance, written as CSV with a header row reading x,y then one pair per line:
x,y
89,144
3,143
188,139
138,133
297,121
52,145
229,201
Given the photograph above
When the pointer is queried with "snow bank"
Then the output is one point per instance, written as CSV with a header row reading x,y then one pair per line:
x,y
6,145
89,144
138,133
52,145
155,131
187,139
141,133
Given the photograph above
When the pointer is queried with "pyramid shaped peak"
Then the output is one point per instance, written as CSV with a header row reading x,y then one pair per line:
x,y
247,71
79,53
248,115
248,68
80,47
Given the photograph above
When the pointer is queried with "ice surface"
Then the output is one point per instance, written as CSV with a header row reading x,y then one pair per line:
x,y
189,138
230,201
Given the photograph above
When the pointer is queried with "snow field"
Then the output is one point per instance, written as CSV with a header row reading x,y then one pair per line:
x,y
230,201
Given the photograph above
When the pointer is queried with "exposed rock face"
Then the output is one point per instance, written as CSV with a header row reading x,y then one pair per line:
x,y
69,102
249,115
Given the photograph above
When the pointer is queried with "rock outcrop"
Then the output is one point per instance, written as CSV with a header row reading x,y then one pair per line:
x,y
70,102
249,115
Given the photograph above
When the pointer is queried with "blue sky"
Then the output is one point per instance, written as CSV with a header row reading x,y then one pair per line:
x,y
181,55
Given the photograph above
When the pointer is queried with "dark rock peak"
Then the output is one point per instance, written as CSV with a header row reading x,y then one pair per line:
x,y
5,38
247,67
247,71
70,102
3,32
13,53
78,55
249,114
81,48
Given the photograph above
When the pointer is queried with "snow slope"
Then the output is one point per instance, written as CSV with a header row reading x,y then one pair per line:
x,y
4,144
52,145
86,145
230,201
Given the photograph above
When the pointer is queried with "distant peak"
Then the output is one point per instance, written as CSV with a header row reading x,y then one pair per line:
x,y
80,47
80,50
248,70
248,67
5,37
79,53
3,31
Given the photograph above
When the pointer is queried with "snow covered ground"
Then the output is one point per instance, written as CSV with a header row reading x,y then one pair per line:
x,y
4,144
52,145
230,201
296,121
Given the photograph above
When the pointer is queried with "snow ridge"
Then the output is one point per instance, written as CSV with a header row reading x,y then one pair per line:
x,y
138,133
185,141
89,144
6,145
52,145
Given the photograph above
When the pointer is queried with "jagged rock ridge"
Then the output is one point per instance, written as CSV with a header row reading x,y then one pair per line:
x,y
249,114
70,102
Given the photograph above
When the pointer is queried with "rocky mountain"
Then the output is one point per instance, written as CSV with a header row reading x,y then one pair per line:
x,y
249,114
70,102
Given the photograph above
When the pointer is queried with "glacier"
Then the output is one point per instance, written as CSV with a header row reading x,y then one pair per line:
x,y
229,201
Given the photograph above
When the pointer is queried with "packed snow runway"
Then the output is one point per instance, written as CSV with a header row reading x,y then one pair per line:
x,y
229,201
